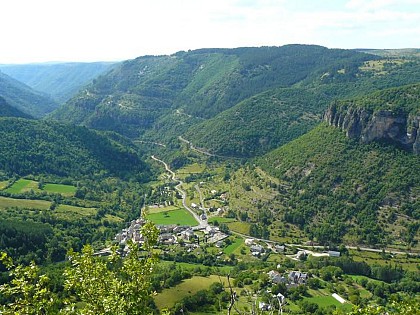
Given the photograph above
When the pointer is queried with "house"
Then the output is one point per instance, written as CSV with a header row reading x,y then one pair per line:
x,y
167,238
281,298
333,253
264,306
301,254
256,250
249,241
297,277
187,234
194,205
276,277
279,248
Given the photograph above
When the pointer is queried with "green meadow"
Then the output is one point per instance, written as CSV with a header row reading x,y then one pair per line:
x,y
22,185
66,190
168,297
178,216
24,203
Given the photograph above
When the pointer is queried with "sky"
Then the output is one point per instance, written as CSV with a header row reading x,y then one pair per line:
x,y
109,30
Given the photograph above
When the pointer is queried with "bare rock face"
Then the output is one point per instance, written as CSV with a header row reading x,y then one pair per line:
x,y
381,125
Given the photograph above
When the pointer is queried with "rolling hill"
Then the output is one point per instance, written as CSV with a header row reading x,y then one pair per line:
x,y
58,80
30,147
24,98
138,95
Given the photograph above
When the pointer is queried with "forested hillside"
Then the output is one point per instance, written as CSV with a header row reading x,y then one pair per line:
x,y
9,111
336,189
267,120
24,98
139,94
37,147
58,80
207,96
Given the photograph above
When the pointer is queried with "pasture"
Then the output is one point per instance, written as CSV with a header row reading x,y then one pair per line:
x,y
168,297
70,213
3,184
178,216
22,185
65,190
6,203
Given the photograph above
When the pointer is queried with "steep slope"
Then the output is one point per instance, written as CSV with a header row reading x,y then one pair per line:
x,y
38,147
24,98
272,118
391,116
59,80
336,189
9,111
260,123
138,94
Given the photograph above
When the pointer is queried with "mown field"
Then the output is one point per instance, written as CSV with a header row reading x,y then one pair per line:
x,y
23,185
178,216
6,203
65,190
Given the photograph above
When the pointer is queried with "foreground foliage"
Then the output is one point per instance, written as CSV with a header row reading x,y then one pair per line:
x,y
103,286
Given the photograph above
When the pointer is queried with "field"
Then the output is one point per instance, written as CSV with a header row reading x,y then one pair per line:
x,y
179,216
407,263
22,185
234,246
24,203
239,227
152,210
69,213
221,219
65,190
168,297
3,184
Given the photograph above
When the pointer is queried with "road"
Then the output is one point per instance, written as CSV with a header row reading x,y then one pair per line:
x,y
202,223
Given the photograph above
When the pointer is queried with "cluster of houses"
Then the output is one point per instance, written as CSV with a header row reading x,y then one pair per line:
x,y
291,280
171,234
257,250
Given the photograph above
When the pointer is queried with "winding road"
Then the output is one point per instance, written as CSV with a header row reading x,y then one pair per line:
x,y
202,223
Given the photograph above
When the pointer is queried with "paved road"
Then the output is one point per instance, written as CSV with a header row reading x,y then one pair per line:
x,y
202,223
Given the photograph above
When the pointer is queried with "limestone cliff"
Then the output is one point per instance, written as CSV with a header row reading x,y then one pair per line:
x,y
381,125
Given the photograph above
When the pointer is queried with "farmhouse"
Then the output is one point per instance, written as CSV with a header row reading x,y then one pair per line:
x,y
332,253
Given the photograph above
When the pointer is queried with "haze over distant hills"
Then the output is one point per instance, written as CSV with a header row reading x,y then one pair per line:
x,y
209,95
58,80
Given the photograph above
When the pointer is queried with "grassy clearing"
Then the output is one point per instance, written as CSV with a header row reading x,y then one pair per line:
x,y
234,246
371,258
239,227
3,184
22,185
151,210
66,190
192,169
168,297
221,220
179,216
24,203
112,218
69,213
324,301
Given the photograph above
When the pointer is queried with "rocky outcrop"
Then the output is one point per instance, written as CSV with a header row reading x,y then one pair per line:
x,y
381,125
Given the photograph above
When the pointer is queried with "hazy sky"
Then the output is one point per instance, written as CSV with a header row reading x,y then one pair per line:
x,y
94,30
